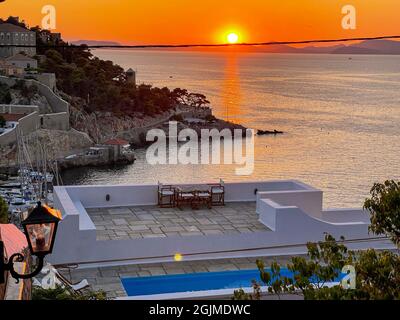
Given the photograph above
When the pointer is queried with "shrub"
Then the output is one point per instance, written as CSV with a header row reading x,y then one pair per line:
x,y
60,293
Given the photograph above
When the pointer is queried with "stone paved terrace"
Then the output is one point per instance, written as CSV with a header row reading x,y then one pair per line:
x,y
136,222
108,279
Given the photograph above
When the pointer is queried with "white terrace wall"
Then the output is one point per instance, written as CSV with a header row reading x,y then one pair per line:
x,y
309,201
292,222
340,215
76,237
146,194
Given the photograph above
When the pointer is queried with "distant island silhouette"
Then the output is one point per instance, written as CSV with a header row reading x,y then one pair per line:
x,y
389,47
95,43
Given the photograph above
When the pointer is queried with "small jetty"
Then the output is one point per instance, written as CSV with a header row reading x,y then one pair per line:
x,y
111,152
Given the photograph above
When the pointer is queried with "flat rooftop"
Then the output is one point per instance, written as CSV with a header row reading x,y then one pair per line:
x,y
135,222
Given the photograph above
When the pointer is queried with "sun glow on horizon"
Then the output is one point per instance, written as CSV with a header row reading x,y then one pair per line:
x,y
232,38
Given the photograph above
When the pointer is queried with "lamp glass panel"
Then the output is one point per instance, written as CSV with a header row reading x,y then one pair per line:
x,y
40,236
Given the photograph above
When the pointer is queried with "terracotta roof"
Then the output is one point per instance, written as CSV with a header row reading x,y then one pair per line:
x,y
19,57
9,27
116,142
14,240
12,116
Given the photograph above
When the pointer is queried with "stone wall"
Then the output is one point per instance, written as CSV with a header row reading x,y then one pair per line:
x,y
8,138
29,123
58,120
48,79
57,104
193,112
55,121
17,109
26,125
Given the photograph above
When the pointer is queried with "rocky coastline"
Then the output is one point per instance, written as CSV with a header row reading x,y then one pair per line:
x,y
60,144
74,147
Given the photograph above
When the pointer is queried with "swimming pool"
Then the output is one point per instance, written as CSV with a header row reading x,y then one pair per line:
x,y
204,281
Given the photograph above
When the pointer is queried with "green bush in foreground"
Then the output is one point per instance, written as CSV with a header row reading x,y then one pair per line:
x,y
60,293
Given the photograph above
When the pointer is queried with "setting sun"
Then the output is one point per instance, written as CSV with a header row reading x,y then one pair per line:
x,y
232,38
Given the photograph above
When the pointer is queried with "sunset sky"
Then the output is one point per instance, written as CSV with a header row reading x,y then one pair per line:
x,y
208,21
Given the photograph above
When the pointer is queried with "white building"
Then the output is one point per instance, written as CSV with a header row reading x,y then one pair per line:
x,y
15,35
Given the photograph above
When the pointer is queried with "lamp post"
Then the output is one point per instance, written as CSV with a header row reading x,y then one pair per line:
x,y
40,230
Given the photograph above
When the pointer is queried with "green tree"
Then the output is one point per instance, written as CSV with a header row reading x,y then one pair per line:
x,y
384,207
197,100
3,211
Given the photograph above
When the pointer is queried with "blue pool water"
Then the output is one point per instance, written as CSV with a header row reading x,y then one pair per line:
x,y
194,282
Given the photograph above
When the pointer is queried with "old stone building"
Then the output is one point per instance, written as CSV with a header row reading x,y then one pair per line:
x,y
13,36
22,61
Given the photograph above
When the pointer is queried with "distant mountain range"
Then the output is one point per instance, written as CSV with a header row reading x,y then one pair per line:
x,y
364,47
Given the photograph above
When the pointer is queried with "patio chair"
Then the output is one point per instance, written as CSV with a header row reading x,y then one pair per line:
x,y
217,191
184,196
166,196
203,197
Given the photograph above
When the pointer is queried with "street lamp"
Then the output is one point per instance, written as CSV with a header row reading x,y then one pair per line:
x,y
40,230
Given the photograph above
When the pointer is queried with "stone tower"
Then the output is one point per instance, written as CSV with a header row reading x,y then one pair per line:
x,y
131,76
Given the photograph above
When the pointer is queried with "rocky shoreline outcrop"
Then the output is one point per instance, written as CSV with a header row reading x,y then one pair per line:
x,y
54,143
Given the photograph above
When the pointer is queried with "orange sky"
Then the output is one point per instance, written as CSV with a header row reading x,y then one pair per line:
x,y
208,21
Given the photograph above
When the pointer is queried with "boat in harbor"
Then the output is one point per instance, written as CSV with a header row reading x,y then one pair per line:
x,y
11,185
